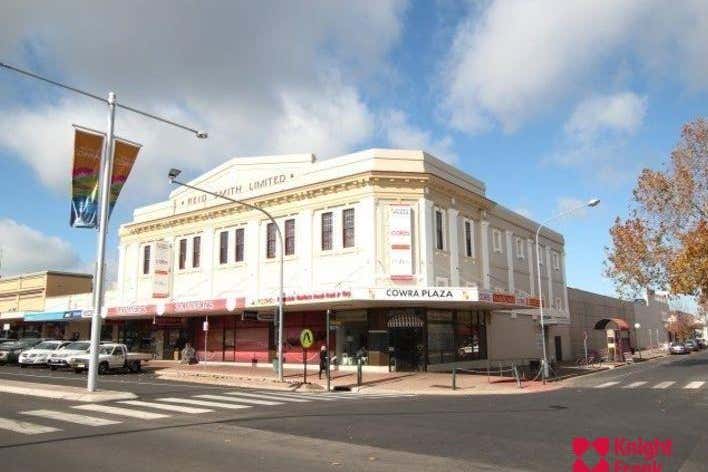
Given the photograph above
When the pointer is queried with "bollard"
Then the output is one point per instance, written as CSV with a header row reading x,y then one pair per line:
x,y
358,372
454,378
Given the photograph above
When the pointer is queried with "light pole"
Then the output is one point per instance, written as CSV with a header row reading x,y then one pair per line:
x,y
636,338
104,185
592,203
172,175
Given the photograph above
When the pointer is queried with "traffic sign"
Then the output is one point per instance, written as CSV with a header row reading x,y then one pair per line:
x,y
307,339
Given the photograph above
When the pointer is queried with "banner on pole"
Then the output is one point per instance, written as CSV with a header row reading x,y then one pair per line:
x,y
161,270
124,155
88,147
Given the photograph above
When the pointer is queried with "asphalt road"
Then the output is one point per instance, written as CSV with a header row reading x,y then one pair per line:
x,y
663,399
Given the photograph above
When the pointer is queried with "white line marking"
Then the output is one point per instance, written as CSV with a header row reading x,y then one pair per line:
x,y
606,384
693,385
190,401
242,400
162,406
666,384
307,396
24,427
114,410
70,417
634,385
268,397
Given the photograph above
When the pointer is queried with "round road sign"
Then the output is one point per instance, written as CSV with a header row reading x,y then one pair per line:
x,y
307,339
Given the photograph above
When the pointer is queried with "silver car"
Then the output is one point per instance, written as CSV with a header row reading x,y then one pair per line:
x,y
678,348
691,345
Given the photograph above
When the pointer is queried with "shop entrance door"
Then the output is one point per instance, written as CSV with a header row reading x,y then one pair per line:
x,y
559,349
407,345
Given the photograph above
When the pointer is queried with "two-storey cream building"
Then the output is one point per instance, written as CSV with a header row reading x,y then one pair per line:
x,y
420,268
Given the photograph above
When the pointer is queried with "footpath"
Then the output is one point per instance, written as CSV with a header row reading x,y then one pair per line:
x,y
62,392
422,383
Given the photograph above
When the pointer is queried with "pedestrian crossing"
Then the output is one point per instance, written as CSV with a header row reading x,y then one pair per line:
x,y
54,420
692,385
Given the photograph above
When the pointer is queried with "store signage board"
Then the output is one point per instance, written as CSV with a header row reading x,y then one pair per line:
x,y
400,240
161,270
307,339
6,327
249,315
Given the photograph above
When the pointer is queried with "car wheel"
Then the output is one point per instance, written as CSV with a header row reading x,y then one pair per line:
x,y
22,366
52,367
77,370
103,368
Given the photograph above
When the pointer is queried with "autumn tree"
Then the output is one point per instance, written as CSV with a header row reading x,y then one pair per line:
x,y
663,244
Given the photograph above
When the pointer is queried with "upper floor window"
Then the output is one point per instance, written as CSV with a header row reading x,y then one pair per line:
x,y
270,241
555,259
497,240
348,227
469,239
520,253
146,259
239,245
182,254
439,240
326,231
223,247
289,237
196,251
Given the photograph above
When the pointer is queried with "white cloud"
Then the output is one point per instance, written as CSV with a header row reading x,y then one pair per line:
x,y
261,77
400,133
621,113
512,60
25,249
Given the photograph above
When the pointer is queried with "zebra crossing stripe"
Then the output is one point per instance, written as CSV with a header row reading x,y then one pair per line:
x,y
307,396
191,401
606,384
241,400
693,385
70,417
24,427
267,397
634,385
114,410
663,385
163,406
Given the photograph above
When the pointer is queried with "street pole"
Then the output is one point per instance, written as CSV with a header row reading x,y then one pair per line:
x,y
592,203
281,293
104,199
327,343
104,189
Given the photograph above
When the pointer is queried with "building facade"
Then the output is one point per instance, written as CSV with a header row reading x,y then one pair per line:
x,y
23,303
420,268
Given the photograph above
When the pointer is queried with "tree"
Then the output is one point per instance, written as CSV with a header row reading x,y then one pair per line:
x,y
682,325
663,244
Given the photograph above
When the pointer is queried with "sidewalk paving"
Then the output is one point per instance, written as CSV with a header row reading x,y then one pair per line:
x,y
424,383
62,392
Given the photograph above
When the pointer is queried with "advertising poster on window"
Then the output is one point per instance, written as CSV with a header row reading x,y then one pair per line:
x,y
400,242
161,270
88,146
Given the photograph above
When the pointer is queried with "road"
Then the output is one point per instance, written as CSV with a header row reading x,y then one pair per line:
x,y
320,432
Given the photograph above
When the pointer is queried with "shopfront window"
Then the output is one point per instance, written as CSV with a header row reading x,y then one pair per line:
x,y
352,336
471,335
441,337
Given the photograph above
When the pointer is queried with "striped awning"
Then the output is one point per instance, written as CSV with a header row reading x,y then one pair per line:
x,y
405,321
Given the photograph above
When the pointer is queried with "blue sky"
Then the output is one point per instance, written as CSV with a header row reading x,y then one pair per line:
x,y
548,103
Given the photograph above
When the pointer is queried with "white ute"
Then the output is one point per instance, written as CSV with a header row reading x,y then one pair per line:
x,y
111,357
39,354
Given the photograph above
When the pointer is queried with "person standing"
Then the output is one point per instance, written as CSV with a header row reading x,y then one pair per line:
x,y
324,358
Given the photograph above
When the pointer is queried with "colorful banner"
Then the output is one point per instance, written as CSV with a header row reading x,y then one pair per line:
x,y
161,270
124,155
88,147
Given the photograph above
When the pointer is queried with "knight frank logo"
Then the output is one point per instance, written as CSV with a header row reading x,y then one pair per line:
x,y
621,454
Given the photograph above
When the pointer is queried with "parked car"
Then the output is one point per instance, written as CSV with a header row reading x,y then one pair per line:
x,y
678,348
701,343
38,354
691,345
60,357
10,350
111,357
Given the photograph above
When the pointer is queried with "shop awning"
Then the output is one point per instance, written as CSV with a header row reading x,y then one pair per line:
x,y
621,324
68,315
405,321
